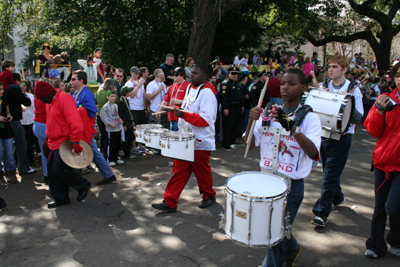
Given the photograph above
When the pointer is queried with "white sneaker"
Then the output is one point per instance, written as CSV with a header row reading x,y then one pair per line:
x,y
395,251
339,204
111,163
370,254
319,165
120,161
121,153
132,156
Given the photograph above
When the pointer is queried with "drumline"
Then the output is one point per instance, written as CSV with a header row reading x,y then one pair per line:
x,y
255,202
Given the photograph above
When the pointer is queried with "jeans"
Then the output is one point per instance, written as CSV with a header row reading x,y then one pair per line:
x,y
39,129
173,126
31,141
387,202
100,161
277,100
20,146
334,155
287,249
7,144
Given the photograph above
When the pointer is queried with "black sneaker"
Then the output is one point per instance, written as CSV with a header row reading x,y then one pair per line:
x,y
163,206
205,203
319,221
290,262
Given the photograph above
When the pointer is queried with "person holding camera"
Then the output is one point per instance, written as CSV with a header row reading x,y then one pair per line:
x,y
383,123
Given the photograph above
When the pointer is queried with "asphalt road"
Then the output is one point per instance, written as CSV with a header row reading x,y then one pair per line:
x,y
116,226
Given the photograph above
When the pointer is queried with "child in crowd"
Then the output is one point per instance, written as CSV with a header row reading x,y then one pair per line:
x,y
109,116
62,59
90,67
275,64
236,59
6,77
243,64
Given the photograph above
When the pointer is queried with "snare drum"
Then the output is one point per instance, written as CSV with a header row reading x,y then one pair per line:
x,y
139,131
255,209
152,137
334,110
178,145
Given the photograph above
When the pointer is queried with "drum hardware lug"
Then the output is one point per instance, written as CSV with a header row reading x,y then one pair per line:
x,y
249,230
288,227
271,209
187,144
232,208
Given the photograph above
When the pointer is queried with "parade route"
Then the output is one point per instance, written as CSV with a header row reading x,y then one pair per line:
x,y
116,226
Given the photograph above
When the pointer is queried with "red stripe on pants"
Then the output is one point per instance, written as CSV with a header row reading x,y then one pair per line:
x,y
182,172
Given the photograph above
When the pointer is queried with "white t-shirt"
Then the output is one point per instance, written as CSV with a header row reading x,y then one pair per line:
x,y
357,95
206,106
136,103
29,113
292,161
236,61
158,99
243,64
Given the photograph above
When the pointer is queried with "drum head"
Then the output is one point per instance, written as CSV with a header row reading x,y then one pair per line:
x,y
178,135
149,126
256,184
155,131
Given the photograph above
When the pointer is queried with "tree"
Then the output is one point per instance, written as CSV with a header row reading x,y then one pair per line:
x,y
376,21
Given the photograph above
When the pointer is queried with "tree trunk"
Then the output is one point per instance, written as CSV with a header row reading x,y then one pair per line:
x,y
205,20
383,53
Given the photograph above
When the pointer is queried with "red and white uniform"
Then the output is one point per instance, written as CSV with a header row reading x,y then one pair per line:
x,y
201,121
292,161
175,91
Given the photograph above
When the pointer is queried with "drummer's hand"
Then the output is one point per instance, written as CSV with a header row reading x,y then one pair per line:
x,y
255,113
178,113
383,101
158,116
113,125
77,148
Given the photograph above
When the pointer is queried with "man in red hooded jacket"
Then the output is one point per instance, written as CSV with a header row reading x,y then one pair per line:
x,y
63,122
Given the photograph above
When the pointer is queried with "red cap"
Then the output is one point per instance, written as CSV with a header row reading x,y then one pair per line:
x,y
43,89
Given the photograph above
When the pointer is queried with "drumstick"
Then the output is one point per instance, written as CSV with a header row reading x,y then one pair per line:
x,y
159,112
186,111
253,124
351,91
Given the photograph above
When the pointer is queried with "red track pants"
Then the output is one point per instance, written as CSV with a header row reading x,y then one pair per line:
x,y
182,172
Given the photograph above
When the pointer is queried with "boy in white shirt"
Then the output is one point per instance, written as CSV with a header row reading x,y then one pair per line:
x,y
299,142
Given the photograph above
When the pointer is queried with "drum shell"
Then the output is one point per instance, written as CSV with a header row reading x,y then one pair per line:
x,y
152,137
252,218
139,131
178,148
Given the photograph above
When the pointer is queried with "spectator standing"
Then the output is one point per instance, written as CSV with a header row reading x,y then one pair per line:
x,y
243,63
175,96
353,63
155,92
84,98
45,55
118,80
6,144
101,75
188,68
270,52
127,118
236,60
114,125
167,67
278,55
244,118
257,59
90,67
15,98
308,67
274,88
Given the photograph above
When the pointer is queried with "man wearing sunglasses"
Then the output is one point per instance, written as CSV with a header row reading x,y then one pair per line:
x,y
118,81
232,100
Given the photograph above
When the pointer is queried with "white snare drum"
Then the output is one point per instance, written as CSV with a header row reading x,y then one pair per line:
x,y
334,110
178,145
152,137
255,209
139,131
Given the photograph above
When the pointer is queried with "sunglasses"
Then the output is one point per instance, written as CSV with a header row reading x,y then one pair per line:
x,y
120,76
176,74
74,79
234,73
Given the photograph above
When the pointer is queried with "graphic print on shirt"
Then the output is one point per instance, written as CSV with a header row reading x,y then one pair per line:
x,y
289,152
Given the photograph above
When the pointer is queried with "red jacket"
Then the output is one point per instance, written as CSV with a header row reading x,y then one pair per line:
x,y
7,78
63,121
386,128
179,94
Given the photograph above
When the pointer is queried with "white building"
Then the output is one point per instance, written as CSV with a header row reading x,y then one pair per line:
x,y
14,50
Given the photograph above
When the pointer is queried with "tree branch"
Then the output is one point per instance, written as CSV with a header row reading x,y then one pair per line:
x,y
366,10
336,38
393,10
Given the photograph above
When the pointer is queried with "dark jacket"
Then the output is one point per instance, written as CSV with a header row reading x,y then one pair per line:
x,y
123,113
14,98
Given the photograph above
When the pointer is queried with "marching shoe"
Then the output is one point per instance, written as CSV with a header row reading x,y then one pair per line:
x,y
108,180
205,203
55,204
163,206
83,193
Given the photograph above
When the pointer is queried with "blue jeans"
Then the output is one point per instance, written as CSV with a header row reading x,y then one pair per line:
x,y
387,202
173,126
287,249
334,155
277,100
20,146
8,146
39,129
100,161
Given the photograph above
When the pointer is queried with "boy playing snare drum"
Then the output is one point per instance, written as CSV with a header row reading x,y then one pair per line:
x,y
295,149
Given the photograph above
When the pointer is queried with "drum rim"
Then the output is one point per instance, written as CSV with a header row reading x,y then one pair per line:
x,y
166,138
348,97
256,198
154,126
150,133
253,246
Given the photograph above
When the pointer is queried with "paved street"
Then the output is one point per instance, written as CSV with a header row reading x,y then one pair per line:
x,y
116,226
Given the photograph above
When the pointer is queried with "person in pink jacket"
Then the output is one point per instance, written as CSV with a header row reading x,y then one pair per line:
x,y
308,67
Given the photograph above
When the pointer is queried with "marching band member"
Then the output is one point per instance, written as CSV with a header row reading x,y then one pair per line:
x,y
299,142
335,150
200,99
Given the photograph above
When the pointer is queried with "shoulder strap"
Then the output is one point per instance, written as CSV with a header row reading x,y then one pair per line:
x,y
351,86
